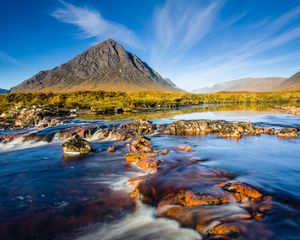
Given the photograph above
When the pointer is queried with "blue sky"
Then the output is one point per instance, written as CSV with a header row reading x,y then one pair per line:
x,y
195,43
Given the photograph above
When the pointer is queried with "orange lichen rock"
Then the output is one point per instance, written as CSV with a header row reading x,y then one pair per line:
x,y
224,231
241,191
134,157
111,149
149,165
141,144
184,148
181,214
189,198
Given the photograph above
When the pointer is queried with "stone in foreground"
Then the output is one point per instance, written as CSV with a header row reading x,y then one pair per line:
x,y
76,146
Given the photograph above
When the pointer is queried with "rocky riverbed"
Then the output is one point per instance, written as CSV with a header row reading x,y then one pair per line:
x,y
161,166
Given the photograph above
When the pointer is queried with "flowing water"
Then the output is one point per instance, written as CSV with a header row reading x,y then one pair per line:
x,y
46,196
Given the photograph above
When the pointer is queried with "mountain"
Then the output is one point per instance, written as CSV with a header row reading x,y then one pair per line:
x,y
291,84
106,66
2,91
245,85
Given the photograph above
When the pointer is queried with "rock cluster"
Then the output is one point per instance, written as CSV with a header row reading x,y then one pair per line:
x,y
142,155
82,131
223,129
287,133
125,131
35,116
188,192
139,127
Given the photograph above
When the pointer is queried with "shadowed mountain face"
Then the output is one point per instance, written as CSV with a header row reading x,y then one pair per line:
x,y
2,91
106,66
245,85
291,84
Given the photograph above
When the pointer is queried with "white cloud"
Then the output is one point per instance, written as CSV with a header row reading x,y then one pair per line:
x,y
4,57
179,26
92,24
244,56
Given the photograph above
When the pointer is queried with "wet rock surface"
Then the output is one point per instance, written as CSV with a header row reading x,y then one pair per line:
x,y
224,129
34,116
287,133
139,127
77,145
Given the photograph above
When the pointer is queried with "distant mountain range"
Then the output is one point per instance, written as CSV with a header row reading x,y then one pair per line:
x,y
2,90
291,84
106,66
269,84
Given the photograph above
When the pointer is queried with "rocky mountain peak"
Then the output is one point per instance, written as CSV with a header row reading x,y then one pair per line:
x,y
105,66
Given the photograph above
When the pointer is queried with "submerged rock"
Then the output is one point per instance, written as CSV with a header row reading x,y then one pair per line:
x,y
77,145
111,149
184,148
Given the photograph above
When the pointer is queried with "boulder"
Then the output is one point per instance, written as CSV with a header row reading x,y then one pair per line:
x,y
111,149
77,145
83,132
115,134
134,157
184,148
287,133
187,127
139,127
141,143
241,191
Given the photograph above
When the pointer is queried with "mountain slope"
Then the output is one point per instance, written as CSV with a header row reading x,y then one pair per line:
x,y
291,84
245,85
106,66
2,91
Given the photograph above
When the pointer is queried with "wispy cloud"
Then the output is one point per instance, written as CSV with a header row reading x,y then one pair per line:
x,y
249,54
5,58
93,25
180,25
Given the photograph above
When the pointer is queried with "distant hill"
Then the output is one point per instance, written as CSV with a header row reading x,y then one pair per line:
x,y
2,90
291,84
106,66
245,85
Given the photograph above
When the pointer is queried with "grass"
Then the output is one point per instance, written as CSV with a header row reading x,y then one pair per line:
x,y
105,102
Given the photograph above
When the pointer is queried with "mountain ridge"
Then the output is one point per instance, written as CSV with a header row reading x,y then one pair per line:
x,y
106,66
291,84
266,84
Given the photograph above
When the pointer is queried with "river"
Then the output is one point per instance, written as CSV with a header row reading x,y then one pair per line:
x,y
46,196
